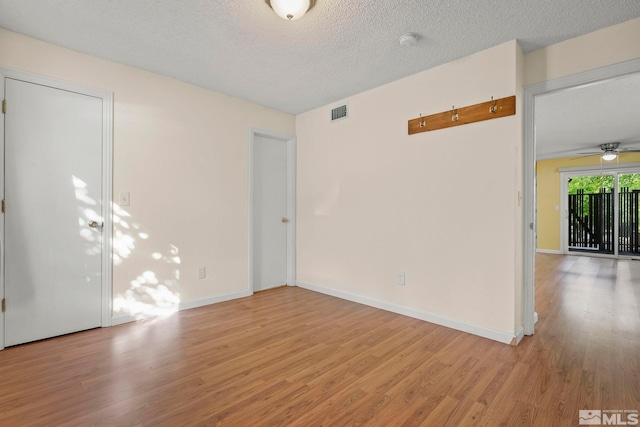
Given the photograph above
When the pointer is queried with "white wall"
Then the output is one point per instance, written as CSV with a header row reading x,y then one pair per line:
x,y
372,201
364,212
608,46
440,206
181,152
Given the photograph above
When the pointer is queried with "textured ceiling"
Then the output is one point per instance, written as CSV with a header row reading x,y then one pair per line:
x,y
579,120
242,48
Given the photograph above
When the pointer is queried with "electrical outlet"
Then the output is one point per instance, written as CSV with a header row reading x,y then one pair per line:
x,y
400,279
202,272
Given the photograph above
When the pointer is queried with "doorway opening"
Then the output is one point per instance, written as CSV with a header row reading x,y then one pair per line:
x,y
532,133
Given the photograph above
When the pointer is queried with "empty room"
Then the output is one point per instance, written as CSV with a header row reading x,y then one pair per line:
x,y
320,213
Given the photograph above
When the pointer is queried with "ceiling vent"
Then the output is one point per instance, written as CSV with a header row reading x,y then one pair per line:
x,y
339,113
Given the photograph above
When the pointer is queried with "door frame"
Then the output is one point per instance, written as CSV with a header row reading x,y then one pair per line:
x,y
621,69
107,176
565,174
291,200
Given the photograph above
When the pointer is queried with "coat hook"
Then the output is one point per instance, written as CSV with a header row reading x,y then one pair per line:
x,y
454,114
494,107
421,121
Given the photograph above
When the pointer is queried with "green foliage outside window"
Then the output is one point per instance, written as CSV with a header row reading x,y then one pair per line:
x,y
593,184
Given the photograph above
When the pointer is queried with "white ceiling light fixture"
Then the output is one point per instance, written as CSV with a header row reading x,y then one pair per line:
x,y
290,9
610,151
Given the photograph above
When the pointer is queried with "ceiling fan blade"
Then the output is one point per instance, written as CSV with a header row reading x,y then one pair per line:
x,y
585,155
630,150
590,153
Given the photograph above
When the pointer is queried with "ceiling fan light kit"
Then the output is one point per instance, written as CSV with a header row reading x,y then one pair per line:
x,y
610,151
290,10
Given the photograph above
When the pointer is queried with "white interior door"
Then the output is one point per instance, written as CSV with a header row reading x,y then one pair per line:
x,y
54,214
270,222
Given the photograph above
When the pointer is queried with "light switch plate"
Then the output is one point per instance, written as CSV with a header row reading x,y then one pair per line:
x,y
124,198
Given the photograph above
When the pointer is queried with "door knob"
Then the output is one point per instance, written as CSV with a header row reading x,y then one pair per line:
x,y
93,224
285,220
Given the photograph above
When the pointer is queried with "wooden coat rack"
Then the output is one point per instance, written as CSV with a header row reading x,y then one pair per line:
x,y
461,116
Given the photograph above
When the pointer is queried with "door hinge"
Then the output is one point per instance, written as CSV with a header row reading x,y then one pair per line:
x,y
4,205
4,305
4,106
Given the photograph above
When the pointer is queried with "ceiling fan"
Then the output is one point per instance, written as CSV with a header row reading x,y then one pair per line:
x,y
610,151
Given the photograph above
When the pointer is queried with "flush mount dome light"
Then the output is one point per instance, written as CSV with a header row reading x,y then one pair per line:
x,y
290,9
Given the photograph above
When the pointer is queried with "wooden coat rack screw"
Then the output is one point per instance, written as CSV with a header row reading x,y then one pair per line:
x,y
461,116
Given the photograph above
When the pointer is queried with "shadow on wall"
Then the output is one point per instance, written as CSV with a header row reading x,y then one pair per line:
x,y
155,291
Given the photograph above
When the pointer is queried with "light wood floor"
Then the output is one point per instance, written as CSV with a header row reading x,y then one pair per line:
x,y
293,357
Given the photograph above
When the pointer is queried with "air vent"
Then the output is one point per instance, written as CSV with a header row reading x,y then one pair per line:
x,y
339,113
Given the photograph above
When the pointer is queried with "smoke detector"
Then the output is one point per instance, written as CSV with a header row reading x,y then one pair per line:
x,y
409,39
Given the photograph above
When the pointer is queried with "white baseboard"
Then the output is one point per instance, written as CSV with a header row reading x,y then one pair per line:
x,y
186,305
519,335
492,334
124,318
549,251
214,300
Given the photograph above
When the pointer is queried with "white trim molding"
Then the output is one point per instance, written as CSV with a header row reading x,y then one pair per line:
x,y
615,168
214,300
125,318
549,251
2,195
492,334
186,305
519,336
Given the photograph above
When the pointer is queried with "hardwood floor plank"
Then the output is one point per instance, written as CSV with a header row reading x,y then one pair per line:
x,y
450,413
293,357
339,405
475,415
